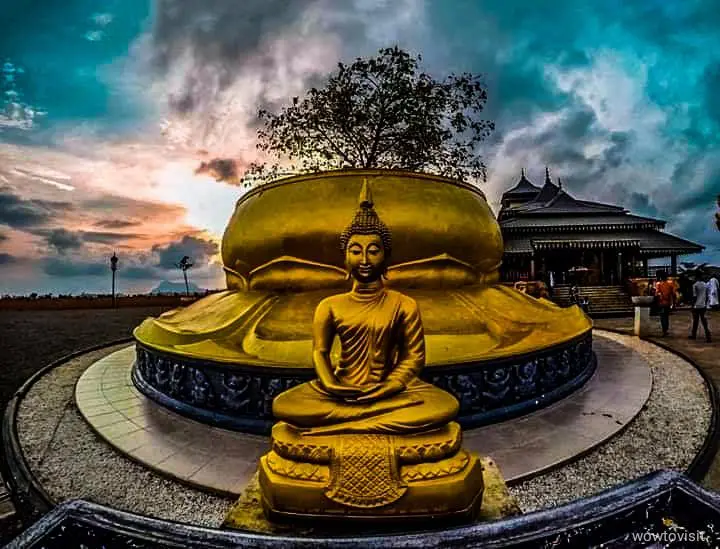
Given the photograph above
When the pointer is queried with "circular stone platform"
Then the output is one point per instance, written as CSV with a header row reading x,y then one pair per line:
x,y
70,462
223,460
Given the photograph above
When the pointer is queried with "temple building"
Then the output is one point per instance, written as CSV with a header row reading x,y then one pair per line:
x,y
545,230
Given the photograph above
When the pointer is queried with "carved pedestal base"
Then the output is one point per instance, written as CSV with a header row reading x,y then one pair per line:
x,y
370,476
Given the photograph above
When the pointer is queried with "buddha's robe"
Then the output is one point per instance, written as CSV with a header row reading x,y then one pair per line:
x,y
381,338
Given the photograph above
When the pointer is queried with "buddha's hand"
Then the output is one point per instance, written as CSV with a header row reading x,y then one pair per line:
x,y
344,391
383,390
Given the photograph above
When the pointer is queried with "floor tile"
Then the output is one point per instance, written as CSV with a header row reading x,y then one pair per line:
x,y
225,460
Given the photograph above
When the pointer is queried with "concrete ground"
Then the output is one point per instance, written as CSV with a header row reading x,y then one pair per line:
x,y
706,355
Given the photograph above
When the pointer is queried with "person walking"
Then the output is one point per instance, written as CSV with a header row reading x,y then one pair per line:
x,y
713,289
666,299
700,298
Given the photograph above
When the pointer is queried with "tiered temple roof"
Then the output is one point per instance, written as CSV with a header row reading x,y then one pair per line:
x,y
539,218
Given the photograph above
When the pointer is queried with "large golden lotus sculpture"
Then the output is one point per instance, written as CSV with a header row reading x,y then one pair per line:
x,y
281,254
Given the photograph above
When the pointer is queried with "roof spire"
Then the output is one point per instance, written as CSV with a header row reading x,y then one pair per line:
x,y
547,175
559,183
522,172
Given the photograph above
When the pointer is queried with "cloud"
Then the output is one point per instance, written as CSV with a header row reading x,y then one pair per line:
x,y
209,66
116,223
104,237
140,272
133,210
221,169
198,249
65,267
22,213
63,240
641,204
618,98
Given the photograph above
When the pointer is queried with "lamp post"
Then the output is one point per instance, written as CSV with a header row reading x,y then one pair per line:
x,y
113,268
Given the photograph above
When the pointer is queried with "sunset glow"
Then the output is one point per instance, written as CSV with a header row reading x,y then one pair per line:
x,y
106,115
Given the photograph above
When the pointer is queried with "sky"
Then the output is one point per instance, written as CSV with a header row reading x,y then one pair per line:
x,y
108,107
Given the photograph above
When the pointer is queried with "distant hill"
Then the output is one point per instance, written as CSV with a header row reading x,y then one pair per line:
x,y
167,287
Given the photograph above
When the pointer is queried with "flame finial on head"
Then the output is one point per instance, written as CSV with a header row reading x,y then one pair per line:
x,y
367,221
365,200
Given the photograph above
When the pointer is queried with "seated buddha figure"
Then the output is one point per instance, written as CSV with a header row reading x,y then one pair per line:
x,y
359,434
375,387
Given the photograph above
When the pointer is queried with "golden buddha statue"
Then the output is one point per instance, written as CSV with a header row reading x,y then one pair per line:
x,y
490,346
368,437
375,386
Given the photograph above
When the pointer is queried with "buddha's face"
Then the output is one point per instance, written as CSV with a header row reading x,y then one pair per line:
x,y
365,257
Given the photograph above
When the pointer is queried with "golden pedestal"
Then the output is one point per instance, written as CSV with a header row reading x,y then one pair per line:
x,y
379,477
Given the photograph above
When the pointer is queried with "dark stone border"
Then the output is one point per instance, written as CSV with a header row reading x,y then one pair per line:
x,y
700,465
609,517
30,498
239,397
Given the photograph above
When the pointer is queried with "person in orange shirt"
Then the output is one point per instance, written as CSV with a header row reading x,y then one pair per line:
x,y
666,299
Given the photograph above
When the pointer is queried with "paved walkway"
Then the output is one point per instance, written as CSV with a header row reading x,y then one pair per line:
x,y
223,460
706,355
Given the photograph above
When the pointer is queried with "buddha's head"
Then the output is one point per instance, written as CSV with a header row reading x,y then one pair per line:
x,y
366,242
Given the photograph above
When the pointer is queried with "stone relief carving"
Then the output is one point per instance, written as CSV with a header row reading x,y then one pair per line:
x,y
248,394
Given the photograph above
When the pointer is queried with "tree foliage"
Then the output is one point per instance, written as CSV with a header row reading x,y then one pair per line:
x,y
381,112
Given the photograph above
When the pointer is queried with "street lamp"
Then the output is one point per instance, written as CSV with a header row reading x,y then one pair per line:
x,y
113,268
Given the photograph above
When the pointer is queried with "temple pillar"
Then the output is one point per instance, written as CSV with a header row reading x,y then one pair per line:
x,y
646,268
603,278
673,265
619,267
532,268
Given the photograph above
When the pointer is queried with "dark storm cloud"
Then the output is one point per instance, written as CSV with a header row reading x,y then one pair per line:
x,y
220,34
23,213
198,249
138,272
561,146
7,259
116,223
224,38
701,198
218,30
63,240
640,203
65,267
711,80
222,169
566,133
104,237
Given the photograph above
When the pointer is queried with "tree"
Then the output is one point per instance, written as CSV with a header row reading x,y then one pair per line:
x,y
184,264
381,112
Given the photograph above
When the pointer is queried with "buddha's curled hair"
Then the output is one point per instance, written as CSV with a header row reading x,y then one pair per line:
x,y
367,221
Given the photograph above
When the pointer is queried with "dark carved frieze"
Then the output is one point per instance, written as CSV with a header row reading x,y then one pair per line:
x,y
238,394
